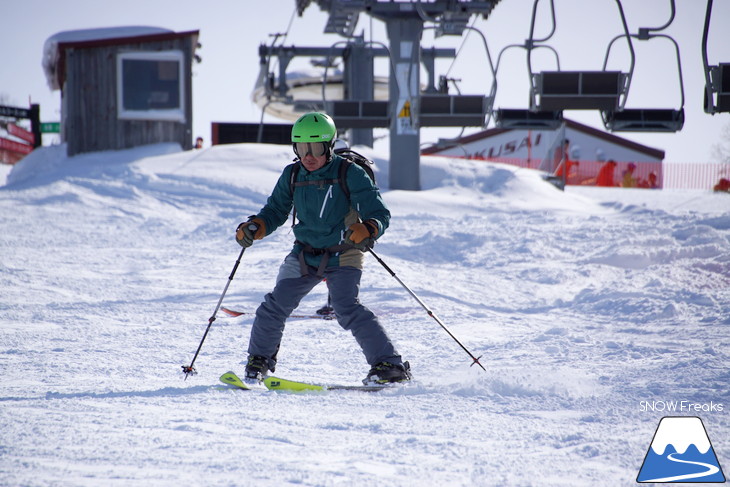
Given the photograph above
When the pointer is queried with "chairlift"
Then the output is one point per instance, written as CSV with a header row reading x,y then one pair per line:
x,y
551,92
576,90
717,78
530,118
437,108
290,94
513,118
646,119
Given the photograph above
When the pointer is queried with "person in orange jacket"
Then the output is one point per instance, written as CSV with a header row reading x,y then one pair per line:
x,y
605,175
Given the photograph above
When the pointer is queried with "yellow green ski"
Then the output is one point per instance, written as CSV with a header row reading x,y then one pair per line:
x,y
232,379
279,384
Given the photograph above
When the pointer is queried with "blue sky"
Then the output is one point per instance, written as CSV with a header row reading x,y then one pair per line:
x,y
231,31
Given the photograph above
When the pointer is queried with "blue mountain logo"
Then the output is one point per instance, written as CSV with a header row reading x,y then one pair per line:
x,y
681,452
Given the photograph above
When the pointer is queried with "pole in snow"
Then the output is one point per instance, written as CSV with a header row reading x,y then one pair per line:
x,y
475,360
189,369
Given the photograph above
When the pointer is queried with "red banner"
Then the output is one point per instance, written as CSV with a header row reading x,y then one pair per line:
x,y
21,133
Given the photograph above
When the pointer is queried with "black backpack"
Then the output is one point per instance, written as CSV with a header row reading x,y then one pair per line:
x,y
349,157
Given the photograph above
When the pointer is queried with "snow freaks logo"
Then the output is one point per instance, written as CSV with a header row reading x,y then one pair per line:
x,y
680,452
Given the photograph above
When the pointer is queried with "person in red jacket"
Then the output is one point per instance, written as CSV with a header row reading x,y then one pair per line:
x,y
605,175
723,185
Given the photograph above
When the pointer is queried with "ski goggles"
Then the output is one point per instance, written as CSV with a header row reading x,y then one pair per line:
x,y
317,149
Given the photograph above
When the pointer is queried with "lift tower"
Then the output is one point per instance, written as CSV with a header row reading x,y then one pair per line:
x,y
404,23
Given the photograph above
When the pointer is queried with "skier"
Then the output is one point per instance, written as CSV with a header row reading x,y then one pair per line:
x,y
331,236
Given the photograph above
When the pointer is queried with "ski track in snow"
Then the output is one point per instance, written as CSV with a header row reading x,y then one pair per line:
x,y
583,304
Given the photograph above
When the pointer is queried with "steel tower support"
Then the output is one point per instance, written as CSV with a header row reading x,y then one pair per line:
x,y
404,22
404,34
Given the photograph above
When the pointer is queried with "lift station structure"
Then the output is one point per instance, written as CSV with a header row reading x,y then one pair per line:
x,y
406,109
411,104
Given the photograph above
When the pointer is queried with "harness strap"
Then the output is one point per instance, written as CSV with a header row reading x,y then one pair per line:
x,y
325,253
341,180
316,182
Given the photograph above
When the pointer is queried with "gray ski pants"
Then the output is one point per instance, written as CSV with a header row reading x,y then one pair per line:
x,y
344,286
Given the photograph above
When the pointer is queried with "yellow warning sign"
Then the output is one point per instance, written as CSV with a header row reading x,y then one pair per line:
x,y
405,112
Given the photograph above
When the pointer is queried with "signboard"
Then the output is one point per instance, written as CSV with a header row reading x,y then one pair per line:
x,y
14,112
404,121
406,88
32,136
11,145
10,157
50,127
21,133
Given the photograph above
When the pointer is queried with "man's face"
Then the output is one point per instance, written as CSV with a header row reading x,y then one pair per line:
x,y
312,163
313,155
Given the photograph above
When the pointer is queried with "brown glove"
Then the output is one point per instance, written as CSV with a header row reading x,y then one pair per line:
x,y
247,232
362,235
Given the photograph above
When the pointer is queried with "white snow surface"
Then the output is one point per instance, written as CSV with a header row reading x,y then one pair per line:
x,y
583,305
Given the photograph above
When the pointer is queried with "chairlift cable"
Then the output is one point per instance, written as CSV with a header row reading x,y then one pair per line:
x,y
463,42
285,35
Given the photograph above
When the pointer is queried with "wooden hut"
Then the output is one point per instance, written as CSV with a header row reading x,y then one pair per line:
x,y
122,87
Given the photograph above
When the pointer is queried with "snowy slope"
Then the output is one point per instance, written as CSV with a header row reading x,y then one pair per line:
x,y
584,304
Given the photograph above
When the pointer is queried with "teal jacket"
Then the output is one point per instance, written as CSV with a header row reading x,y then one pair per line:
x,y
323,210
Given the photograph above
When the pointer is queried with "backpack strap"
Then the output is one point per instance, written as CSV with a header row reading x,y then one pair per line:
x,y
341,179
344,166
293,176
292,182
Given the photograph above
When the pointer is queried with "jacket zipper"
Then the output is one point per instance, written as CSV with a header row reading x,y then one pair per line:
x,y
324,203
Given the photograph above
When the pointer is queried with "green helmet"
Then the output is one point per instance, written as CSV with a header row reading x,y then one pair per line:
x,y
314,127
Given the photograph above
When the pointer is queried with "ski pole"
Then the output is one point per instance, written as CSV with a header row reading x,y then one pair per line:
x,y
430,313
189,369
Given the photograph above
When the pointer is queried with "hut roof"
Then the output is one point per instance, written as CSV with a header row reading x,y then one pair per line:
x,y
53,59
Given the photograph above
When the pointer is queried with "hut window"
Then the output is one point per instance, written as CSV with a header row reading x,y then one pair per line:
x,y
150,86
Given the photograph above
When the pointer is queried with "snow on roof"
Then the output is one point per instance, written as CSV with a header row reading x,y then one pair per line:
x,y
51,53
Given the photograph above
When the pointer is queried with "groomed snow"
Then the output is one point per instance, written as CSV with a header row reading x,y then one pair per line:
x,y
585,306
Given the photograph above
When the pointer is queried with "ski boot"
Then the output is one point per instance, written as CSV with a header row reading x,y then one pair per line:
x,y
327,312
257,369
385,372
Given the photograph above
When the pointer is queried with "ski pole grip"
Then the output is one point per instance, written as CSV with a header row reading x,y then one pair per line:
x,y
251,226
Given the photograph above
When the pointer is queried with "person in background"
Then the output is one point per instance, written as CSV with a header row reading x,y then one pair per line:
x,y
628,180
722,186
651,182
566,164
605,174
199,143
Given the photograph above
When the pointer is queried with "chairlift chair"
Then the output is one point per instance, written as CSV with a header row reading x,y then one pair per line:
x,y
551,92
512,118
647,119
717,78
577,90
